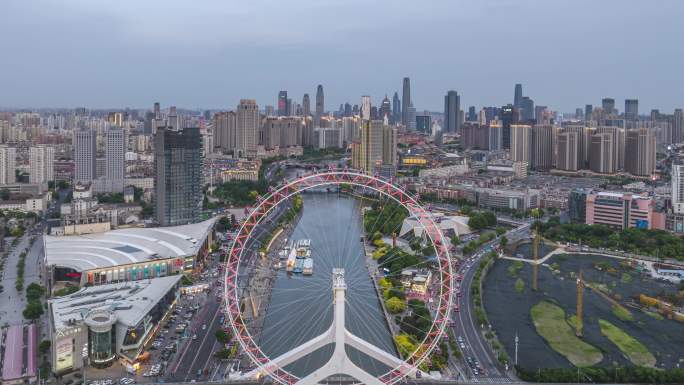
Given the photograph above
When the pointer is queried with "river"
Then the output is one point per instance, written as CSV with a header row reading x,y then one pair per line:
x,y
301,307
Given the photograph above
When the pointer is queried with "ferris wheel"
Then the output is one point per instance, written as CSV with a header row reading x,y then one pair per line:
x,y
241,258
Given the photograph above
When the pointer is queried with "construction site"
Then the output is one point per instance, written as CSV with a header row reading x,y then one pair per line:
x,y
578,309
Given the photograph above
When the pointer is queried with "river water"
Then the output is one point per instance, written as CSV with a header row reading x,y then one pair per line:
x,y
301,307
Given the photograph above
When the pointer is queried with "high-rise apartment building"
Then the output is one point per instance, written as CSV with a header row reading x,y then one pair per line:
x,y
640,152
495,140
8,159
526,109
601,154
541,147
41,164
567,154
377,146
678,126
115,154
631,109
452,107
225,131
678,188
320,105
178,176
84,156
406,101
618,146
520,143
385,109
247,125
411,118
583,134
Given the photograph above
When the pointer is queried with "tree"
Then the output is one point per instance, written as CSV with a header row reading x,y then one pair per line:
x,y
503,242
500,230
44,346
33,310
404,344
455,240
222,336
395,305
34,291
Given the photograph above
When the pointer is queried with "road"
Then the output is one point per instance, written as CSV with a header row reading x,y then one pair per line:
x,y
466,326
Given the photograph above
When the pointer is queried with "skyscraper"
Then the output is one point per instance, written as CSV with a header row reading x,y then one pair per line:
x,y
282,103
84,156
178,176
507,118
567,151
42,164
247,127
452,108
306,105
424,123
520,143
115,154
411,118
517,96
157,111
385,109
365,107
608,105
678,126
581,144
588,110
526,109
406,101
631,109
541,147
377,147
472,115
640,145
320,105
396,109
8,158
495,131
172,120
225,131
601,159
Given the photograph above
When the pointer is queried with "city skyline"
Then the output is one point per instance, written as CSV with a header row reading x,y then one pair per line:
x,y
138,60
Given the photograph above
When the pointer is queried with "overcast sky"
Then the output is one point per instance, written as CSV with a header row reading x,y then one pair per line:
x,y
211,53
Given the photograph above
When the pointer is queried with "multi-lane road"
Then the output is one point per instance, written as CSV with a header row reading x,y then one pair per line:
x,y
470,338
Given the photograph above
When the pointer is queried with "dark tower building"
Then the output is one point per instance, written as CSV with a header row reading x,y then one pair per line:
x,y
396,109
631,109
178,176
282,103
306,105
385,109
472,115
526,109
320,104
507,118
517,97
588,111
347,109
608,105
452,108
406,102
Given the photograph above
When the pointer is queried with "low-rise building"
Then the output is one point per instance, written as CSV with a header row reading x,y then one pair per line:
x,y
103,323
622,210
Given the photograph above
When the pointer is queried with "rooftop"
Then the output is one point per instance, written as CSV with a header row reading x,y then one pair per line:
x,y
129,301
125,246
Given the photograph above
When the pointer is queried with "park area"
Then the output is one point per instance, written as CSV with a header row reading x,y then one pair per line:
x,y
619,326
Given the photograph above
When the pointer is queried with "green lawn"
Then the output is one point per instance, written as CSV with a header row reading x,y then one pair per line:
x,y
622,313
630,347
549,320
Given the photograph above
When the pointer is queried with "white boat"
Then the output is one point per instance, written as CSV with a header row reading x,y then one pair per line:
x,y
307,268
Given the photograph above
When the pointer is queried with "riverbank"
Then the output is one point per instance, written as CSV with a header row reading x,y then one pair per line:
x,y
264,275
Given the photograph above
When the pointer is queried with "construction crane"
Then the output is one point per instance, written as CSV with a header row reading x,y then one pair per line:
x,y
535,257
580,305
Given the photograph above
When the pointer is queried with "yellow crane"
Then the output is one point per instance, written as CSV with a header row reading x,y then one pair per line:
x,y
580,305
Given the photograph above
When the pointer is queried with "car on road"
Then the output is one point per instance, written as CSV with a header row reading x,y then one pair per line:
x,y
194,337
